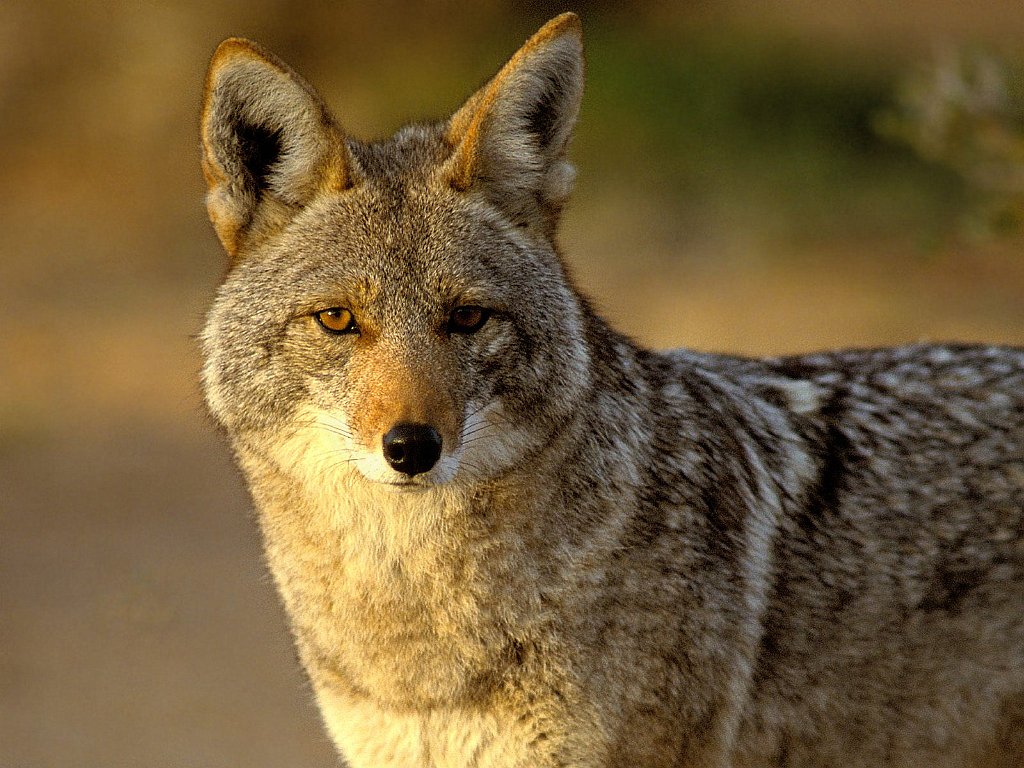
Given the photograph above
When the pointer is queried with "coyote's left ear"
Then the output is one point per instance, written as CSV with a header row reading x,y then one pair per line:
x,y
511,136
269,144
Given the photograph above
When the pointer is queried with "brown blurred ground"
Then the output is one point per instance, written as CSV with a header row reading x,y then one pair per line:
x,y
137,624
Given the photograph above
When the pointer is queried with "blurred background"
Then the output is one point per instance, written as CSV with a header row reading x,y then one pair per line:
x,y
754,177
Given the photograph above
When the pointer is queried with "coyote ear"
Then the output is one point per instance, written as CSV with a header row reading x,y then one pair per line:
x,y
269,144
511,136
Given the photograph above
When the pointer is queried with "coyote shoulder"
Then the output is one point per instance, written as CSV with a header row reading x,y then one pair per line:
x,y
506,535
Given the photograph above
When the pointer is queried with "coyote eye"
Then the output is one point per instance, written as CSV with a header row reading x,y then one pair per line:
x,y
467,319
336,320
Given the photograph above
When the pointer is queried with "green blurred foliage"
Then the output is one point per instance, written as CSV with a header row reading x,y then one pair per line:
x,y
771,128
965,110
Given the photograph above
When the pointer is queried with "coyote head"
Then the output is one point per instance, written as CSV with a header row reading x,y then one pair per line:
x,y
394,311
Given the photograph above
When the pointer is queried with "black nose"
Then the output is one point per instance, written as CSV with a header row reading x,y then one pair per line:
x,y
412,448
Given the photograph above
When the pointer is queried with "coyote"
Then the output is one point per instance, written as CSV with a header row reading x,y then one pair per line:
x,y
506,535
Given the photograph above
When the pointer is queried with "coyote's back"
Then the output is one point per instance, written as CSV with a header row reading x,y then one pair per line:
x,y
506,535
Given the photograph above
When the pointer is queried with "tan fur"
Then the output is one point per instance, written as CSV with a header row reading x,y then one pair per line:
x,y
616,557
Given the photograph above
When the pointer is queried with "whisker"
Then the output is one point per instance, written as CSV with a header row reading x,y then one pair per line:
x,y
476,410
333,427
475,431
476,469
334,431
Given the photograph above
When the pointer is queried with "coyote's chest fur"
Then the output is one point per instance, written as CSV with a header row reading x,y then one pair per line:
x,y
508,537
397,596
423,597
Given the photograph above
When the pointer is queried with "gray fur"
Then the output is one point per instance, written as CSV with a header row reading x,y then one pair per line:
x,y
636,559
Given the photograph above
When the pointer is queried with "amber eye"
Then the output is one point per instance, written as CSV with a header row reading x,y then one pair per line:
x,y
467,319
336,320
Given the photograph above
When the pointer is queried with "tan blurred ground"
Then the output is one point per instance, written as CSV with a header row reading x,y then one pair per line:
x,y
137,624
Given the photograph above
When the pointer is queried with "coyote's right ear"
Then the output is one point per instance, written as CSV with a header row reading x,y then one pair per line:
x,y
269,144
